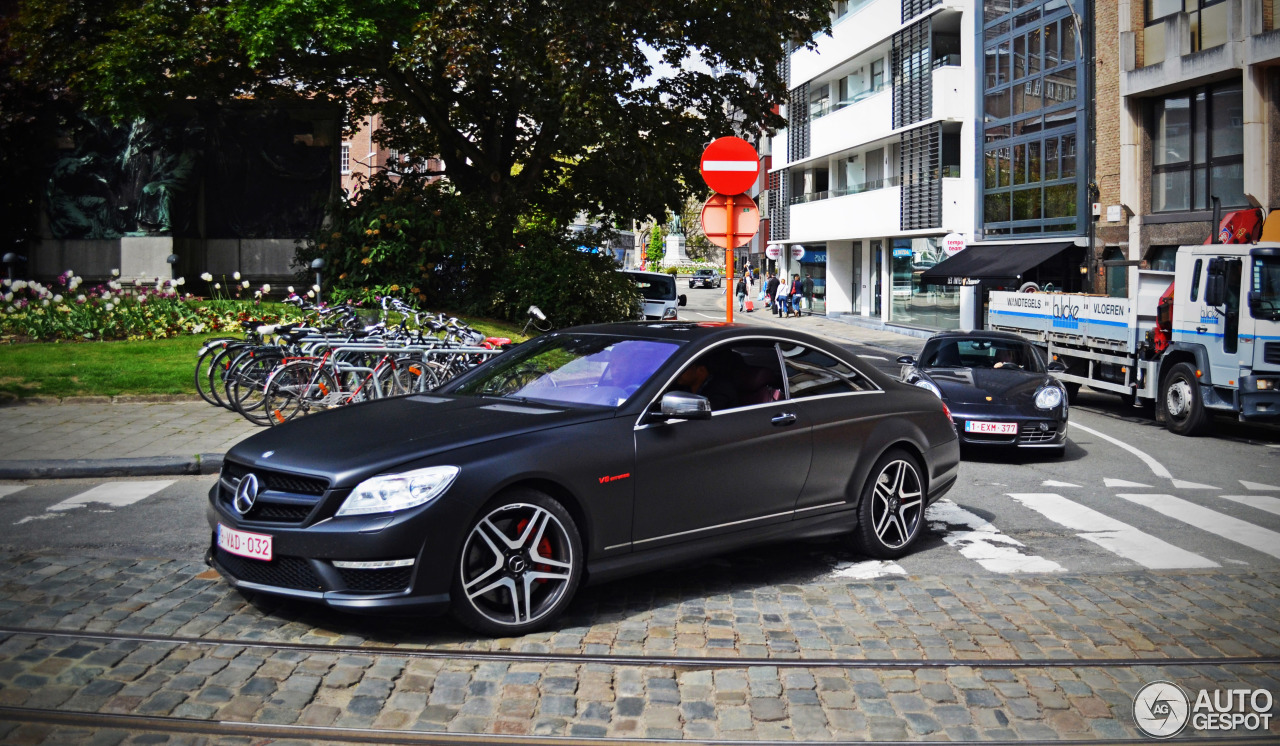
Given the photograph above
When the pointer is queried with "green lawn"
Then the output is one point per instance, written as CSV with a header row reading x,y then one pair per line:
x,y
165,366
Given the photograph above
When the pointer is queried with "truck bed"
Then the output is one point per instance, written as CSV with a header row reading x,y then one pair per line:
x,y
1076,319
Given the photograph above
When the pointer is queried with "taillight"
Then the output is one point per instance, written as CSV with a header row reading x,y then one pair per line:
x,y
946,411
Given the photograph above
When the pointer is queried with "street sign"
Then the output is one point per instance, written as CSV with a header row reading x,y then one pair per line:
x,y
773,251
797,252
952,244
715,219
730,165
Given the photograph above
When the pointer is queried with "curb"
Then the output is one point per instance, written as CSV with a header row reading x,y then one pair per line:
x,y
150,466
8,400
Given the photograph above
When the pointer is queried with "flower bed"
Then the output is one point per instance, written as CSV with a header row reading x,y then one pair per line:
x,y
130,309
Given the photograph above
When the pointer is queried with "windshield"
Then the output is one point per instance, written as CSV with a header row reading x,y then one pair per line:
x,y
594,369
1266,286
979,353
655,287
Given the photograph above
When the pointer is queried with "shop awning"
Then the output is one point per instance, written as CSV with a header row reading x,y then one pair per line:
x,y
991,262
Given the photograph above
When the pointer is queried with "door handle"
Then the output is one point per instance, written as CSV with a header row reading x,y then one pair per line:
x,y
784,419
1201,329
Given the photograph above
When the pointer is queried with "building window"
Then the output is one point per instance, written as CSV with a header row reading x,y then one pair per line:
x,y
1208,22
1197,149
346,158
1032,119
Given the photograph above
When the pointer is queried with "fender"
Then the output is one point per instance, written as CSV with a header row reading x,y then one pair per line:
x,y
1197,351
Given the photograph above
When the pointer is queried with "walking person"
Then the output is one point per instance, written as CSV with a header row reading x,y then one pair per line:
x,y
795,293
771,293
808,291
741,292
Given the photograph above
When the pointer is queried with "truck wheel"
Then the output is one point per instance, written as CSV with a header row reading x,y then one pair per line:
x,y
1180,399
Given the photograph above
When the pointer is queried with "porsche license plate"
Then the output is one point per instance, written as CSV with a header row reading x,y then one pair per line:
x,y
995,428
245,544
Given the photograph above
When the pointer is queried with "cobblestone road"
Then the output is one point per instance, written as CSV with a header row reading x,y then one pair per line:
x,y
817,634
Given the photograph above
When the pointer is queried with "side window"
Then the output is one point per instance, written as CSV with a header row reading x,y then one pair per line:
x,y
1195,280
812,372
735,375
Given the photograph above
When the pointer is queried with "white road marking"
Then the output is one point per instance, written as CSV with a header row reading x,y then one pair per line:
x,y
868,570
1185,485
1056,483
1156,467
1242,532
1110,534
113,494
9,489
1122,483
982,542
1258,486
1261,502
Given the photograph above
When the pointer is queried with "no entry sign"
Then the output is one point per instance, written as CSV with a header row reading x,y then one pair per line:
x,y
730,165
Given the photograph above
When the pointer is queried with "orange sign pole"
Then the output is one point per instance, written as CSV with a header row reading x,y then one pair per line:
x,y
731,239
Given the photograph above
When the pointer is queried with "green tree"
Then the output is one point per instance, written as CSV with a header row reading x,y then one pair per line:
x,y
549,104
657,248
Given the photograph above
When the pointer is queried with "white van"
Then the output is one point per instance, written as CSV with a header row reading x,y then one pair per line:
x,y
658,292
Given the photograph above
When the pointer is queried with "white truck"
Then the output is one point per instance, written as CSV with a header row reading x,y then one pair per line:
x,y
1204,338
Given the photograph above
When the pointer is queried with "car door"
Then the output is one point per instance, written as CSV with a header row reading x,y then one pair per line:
x,y
741,469
838,402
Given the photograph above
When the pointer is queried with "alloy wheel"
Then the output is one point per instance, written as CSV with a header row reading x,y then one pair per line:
x,y
898,504
518,565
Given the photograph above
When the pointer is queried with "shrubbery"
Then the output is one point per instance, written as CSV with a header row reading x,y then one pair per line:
x,y
436,249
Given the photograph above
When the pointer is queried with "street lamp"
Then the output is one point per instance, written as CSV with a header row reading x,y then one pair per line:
x,y
172,261
317,265
11,258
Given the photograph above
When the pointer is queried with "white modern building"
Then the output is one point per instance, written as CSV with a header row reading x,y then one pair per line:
x,y
897,124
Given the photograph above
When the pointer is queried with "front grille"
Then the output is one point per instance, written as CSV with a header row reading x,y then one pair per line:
x,y
277,513
278,481
379,581
281,572
1271,353
1030,432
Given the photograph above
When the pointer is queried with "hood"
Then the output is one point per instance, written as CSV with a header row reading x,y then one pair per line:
x,y
356,441
974,385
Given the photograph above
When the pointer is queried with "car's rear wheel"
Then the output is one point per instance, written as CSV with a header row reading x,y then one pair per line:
x,y
520,566
891,513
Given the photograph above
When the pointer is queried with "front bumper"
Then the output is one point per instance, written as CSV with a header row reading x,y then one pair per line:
x,y
1033,432
1259,405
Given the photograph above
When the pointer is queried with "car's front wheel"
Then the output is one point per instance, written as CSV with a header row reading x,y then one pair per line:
x,y
891,513
520,565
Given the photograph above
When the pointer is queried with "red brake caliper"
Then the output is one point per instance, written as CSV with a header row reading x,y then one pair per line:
x,y
544,548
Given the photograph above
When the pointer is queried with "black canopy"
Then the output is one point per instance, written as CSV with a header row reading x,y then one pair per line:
x,y
991,262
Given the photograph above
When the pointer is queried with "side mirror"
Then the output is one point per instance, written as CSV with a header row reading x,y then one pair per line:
x,y
1056,367
683,299
907,360
681,405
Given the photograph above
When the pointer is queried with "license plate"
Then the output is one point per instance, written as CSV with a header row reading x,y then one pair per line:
x,y
245,544
997,428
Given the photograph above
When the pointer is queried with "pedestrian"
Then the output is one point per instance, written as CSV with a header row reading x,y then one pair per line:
x,y
741,292
808,291
771,292
796,293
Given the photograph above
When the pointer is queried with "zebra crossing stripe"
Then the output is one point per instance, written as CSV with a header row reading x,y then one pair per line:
x,y
982,542
113,494
1269,504
9,489
1241,532
1112,535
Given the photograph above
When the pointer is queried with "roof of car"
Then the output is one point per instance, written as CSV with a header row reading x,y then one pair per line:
x,y
704,271
687,331
978,334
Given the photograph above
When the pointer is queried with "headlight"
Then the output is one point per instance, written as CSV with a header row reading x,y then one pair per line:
x,y
669,314
1048,397
928,387
392,492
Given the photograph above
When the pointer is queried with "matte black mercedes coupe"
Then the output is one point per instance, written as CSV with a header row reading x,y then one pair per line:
x,y
997,388
582,455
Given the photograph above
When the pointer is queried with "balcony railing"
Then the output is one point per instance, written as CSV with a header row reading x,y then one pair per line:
x,y
947,60
818,109
866,186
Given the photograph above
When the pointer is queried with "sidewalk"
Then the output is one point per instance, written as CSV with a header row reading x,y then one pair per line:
x,y
96,437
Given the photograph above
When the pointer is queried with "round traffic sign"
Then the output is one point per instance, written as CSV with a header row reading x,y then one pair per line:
x,y
715,220
730,165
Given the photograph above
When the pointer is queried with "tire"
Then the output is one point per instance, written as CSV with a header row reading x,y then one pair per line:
x,y
203,363
247,383
218,365
519,567
298,388
891,511
1184,411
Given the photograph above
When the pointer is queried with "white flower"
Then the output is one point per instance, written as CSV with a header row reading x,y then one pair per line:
x,y
106,296
109,307
311,293
315,288
235,276
206,277
198,328
245,284
57,299
4,281
290,290
266,288
217,286
81,299
44,303
180,282
8,297
257,294
114,285
115,273
19,284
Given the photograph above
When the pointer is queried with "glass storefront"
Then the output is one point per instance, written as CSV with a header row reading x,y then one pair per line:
x,y
813,265
914,304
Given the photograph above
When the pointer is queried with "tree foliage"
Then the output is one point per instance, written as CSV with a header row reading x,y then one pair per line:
x,y
545,103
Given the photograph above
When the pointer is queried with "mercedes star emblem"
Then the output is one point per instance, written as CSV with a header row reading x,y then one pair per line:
x,y
246,494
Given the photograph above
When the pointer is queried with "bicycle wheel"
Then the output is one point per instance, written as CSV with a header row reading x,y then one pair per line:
x,y
298,388
204,360
414,375
218,367
247,382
